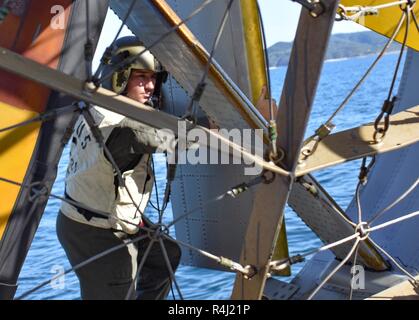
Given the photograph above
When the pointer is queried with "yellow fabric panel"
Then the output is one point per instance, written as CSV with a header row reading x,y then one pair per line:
x,y
254,48
387,19
16,148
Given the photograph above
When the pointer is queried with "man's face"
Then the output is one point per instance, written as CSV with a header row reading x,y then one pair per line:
x,y
141,84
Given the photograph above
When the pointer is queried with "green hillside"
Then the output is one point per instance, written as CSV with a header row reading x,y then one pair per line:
x,y
342,45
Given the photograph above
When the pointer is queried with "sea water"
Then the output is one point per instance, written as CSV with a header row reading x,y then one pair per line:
x,y
46,258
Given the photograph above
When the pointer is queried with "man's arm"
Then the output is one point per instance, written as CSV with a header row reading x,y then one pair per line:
x,y
145,139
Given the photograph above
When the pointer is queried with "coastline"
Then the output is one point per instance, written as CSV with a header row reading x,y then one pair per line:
x,y
344,58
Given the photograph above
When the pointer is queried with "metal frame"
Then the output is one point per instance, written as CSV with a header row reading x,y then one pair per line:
x,y
358,142
296,101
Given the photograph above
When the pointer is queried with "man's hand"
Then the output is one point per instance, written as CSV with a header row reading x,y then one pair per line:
x,y
263,104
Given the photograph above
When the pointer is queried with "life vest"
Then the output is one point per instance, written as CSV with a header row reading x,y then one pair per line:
x,y
90,179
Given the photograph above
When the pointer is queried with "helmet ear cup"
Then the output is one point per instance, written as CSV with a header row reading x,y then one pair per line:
x,y
120,77
120,80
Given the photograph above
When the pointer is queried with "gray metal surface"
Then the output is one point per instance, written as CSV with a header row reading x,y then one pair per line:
x,y
218,228
338,287
303,74
326,219
278,290
392,174
231,48
231,53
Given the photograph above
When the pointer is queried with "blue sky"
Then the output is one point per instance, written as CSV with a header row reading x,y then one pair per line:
x,y
280,20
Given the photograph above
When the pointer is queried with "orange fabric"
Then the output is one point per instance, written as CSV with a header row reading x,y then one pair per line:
x,y
34,38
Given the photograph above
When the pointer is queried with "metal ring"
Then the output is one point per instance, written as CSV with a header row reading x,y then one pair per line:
x,y
318,8
363,234
252,271
306,152
35,192
380,131
267,180
281,153
160,228
278,157
342,13
404,6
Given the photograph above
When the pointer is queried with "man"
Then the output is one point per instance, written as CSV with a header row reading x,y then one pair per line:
x,y
91,180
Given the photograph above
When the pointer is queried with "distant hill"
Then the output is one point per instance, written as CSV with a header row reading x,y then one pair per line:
x,y
342,45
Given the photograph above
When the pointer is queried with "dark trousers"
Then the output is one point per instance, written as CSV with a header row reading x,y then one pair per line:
x,y
111,276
